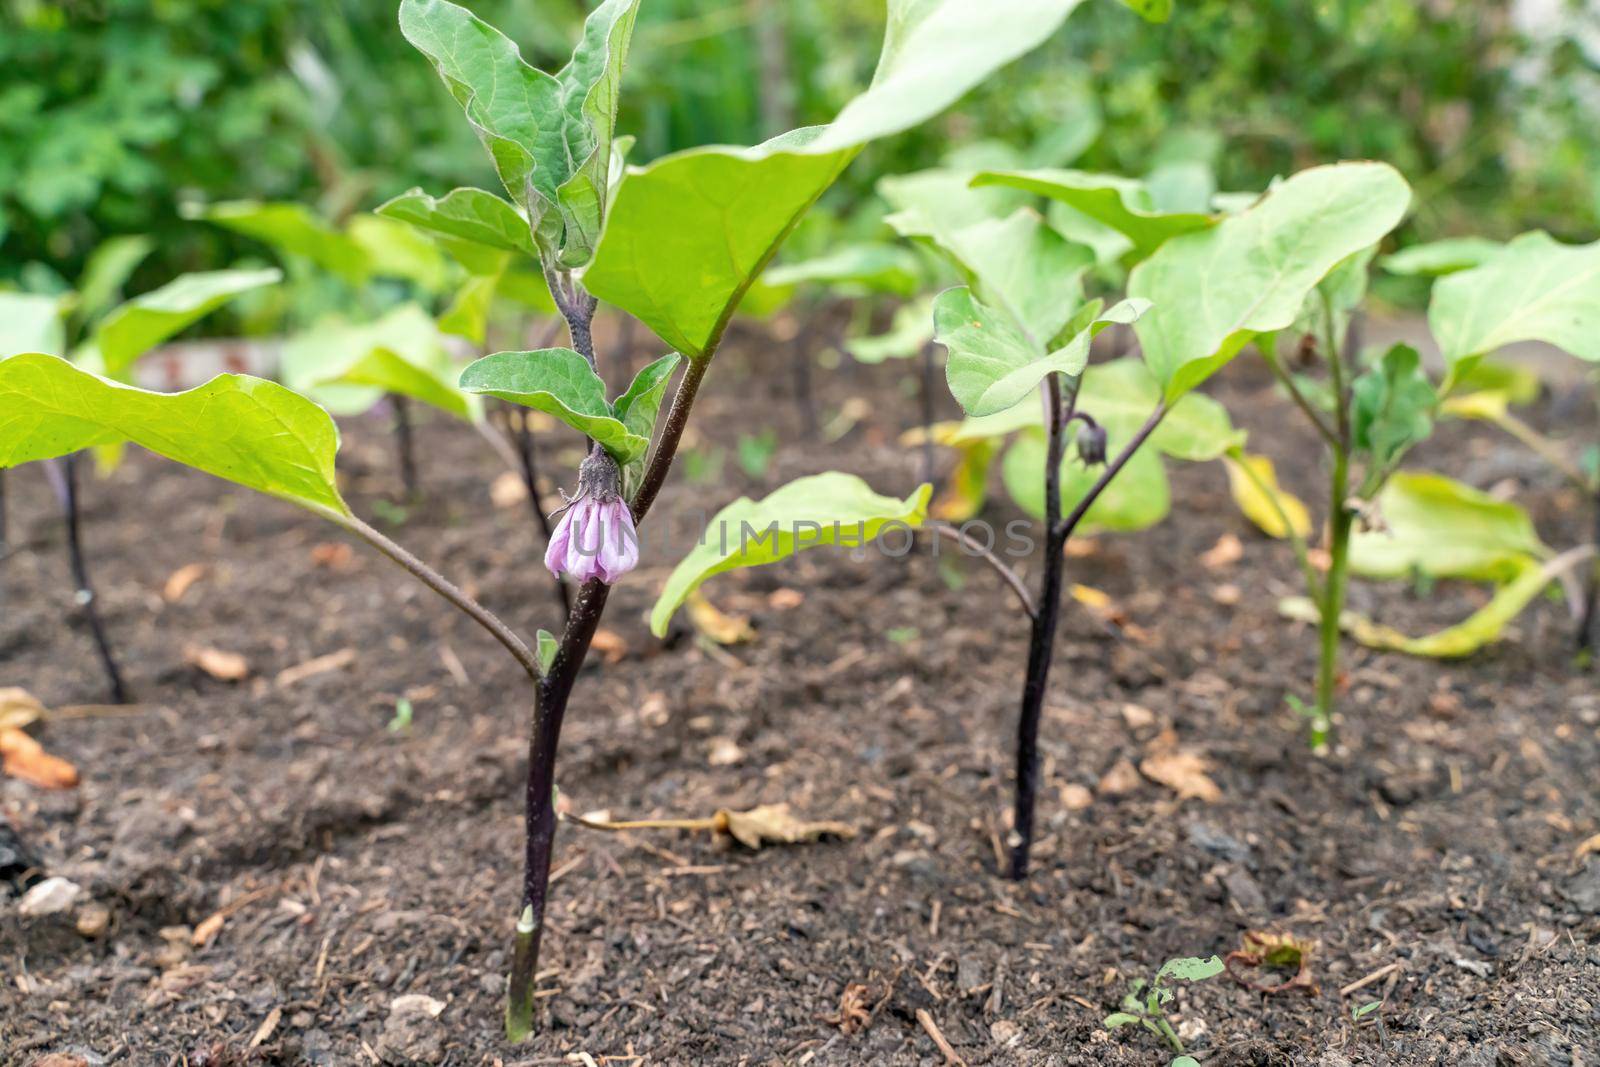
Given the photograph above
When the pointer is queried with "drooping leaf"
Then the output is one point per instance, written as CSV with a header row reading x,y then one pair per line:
x,y
1393,404
549,135
1136,499
465,214
993,363
293,229
1436,258
1214,289
690,232
132,329
1445,529
867,267
1534,289
31,322
823,509
1274,510
107,270
1124,204
638,406
1517,384
909,330
559,382
386,369
242,429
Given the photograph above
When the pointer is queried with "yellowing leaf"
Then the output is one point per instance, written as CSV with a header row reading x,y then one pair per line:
x,y
719,626
25,759
1260,498
19,708
775,824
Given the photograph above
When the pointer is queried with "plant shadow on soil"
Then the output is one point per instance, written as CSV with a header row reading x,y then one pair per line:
x,y
355,865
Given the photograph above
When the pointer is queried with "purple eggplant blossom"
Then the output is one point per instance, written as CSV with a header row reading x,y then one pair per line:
x,y
595,537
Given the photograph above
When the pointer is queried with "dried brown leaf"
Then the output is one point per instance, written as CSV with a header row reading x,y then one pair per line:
x,y
221,665
1227,551
1121,779
25,759
1184,772
1283,952
610,644
716,624
334,555
774,824
179,581
19,708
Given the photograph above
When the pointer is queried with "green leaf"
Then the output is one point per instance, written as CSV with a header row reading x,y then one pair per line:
x,y
869,267
1213,289
386,369
31,322
1119,1019
107,270
1190,969
1446,530
1151,10
823,509
465,214
559,382
1253,483
1437,258
1124,204
1517,384
993,364
638,406
292,229
133,328
1184,1061
347,368
547,647
1535,289
549,135
1393,405
468,313
245,430
909,330
1136,499
396,250
690,232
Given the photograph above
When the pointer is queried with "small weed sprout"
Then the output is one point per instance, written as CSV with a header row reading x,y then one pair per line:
x,y
1146,1002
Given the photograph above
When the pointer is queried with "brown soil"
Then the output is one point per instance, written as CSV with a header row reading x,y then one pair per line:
x,y
355,865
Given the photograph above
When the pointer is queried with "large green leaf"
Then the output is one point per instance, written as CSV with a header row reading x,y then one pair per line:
x,y
466,214
549,135
293,229
690,232
1393,404
823,509
31,322
107,270
1446,530
1214,289
1534,289
400,251
347,368
994,364
870,266
1136,499
243,429
1124,204
133,328
559,382
1438,258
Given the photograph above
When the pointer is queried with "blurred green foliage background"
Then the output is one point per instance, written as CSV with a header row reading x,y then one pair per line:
x,y
116,113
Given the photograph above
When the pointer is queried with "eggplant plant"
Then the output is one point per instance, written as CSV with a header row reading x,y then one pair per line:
x,y
676,243
107,337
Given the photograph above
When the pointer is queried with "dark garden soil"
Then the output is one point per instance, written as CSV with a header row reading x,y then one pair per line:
x,y
352,864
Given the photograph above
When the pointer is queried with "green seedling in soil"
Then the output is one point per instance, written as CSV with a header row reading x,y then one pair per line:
x,y
755,452
1488,296
1019,334
1146,1002
108,337
656,241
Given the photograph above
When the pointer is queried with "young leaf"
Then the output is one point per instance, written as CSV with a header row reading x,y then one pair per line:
x,y
1124,204
468,313
689,233
548,646
388,370
399,251
348,368
1190,969
107,270
1274,510
1119,1019
549,135
1437,258
868,267
638,406
1393,405
993,363
1447,530
1213,289
242,429
133,328
31,322
909,330
292,228
823,509
559,382
466,214
1534,289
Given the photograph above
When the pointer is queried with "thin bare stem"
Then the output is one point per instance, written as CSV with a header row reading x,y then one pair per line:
x,y
1012,578
1547,449
1299,398
445,588
65,480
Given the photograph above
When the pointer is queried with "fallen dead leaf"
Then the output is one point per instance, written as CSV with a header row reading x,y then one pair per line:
x,y
334,555
1227,594
1179,769
785,599
1137,716
853,1015
1592,844
25,759
610,645
1081,548
179,581
507,490
333,661
1075,797
206,929
767,824
19,708
1283,952
716,624
221,665
1227,551
1121,779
